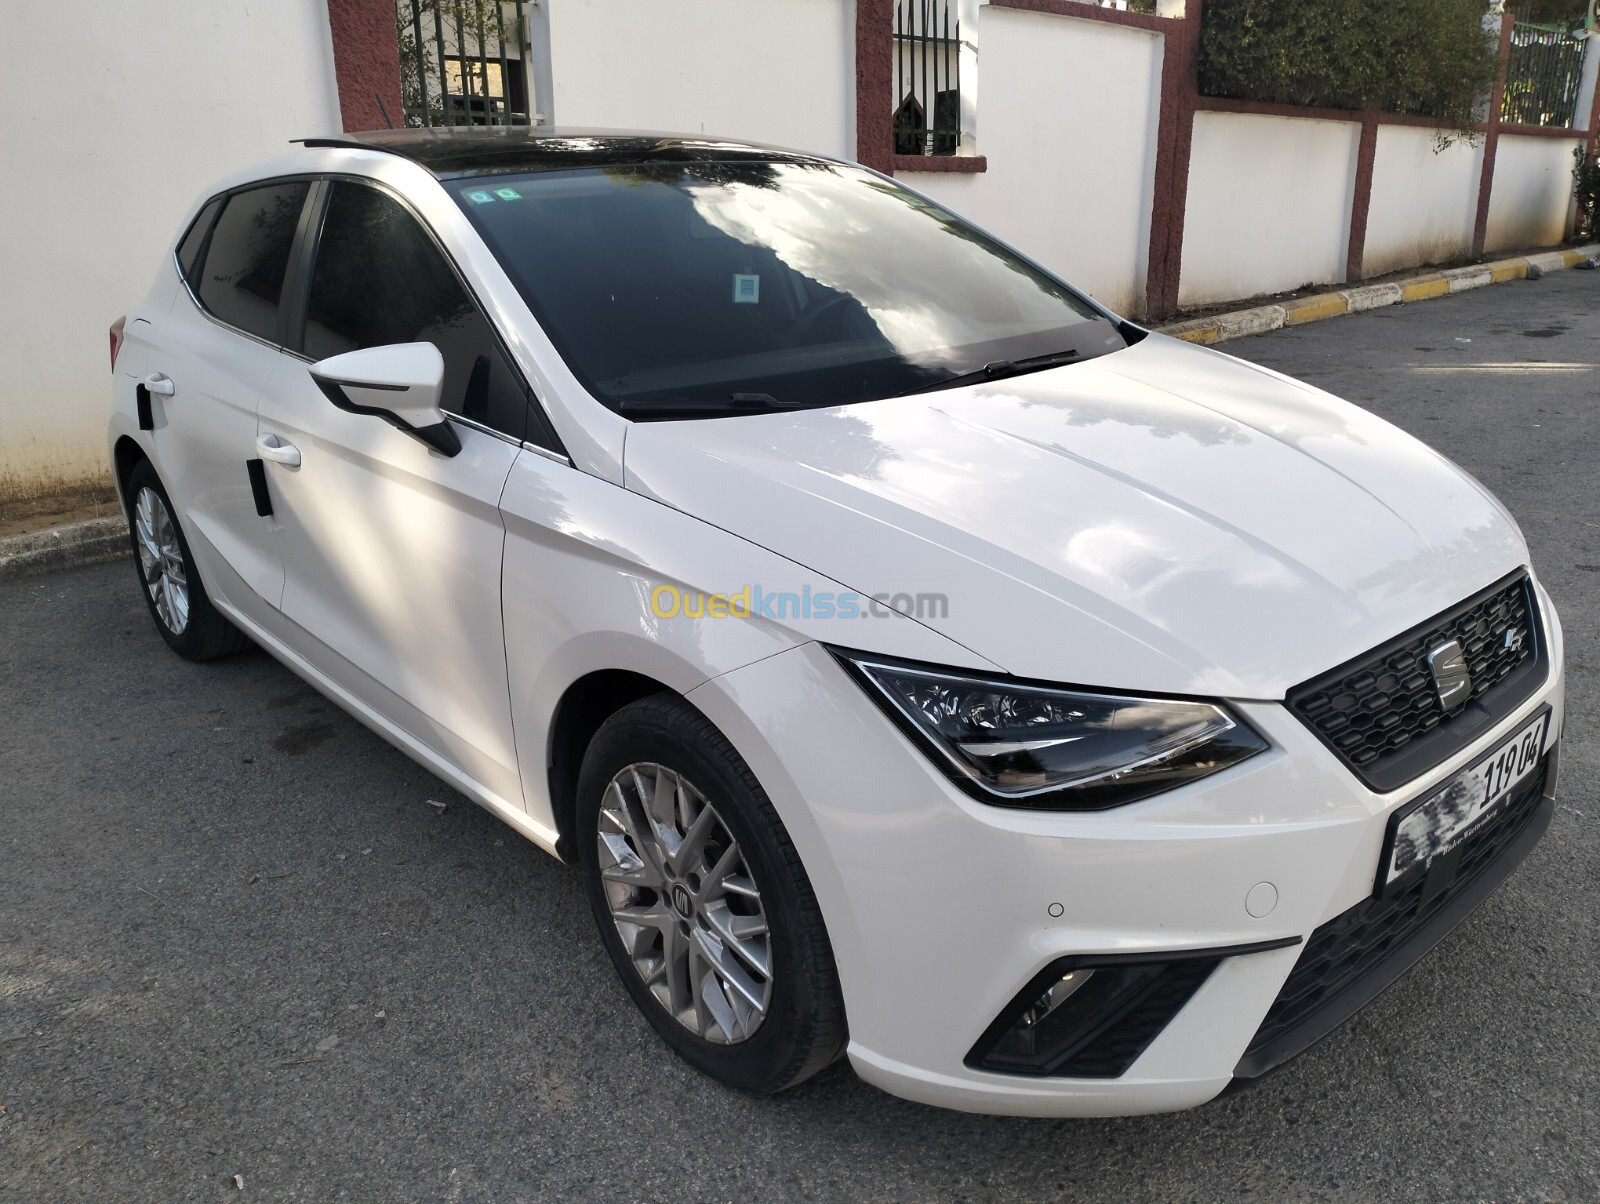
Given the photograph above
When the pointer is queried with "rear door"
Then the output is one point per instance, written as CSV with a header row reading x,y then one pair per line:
x,y
392,551
216,349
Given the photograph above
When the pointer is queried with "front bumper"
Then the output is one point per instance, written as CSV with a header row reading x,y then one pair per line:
x,y
941,909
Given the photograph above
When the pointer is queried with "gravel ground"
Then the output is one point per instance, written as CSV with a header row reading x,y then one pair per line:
x,y
240,936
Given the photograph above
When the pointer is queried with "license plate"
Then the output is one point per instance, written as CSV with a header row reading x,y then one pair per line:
x,y
1432,826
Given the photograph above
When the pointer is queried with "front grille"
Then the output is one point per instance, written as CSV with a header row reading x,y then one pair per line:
x,y
1357,944
1381,712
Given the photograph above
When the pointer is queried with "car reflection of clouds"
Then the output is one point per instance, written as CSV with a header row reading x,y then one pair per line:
x,y
803,228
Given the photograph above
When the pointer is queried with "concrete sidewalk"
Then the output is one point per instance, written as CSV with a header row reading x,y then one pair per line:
x,y
91,542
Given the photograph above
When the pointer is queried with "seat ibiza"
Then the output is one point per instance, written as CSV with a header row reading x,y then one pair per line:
x,y
918,661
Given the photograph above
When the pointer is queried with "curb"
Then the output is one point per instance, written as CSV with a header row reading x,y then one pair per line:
x,y
1360,298
94,542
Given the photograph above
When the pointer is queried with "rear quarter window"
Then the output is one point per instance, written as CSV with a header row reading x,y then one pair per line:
x,y
194,241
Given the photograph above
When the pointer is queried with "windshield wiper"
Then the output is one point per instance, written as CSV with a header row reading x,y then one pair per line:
x,y
1000,370
666,407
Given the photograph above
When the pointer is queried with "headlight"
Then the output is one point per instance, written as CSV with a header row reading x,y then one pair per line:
x,y
1019,745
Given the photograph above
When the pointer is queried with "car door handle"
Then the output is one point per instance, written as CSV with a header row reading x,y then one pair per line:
x,y
270,447
157,382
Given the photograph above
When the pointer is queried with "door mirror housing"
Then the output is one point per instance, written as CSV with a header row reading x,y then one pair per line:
x,y
399,383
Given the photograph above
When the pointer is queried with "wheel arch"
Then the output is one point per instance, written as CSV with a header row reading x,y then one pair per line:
x,y
584,705
126,454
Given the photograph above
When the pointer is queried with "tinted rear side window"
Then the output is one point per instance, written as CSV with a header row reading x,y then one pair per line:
x,y
189,248
380,279
241,281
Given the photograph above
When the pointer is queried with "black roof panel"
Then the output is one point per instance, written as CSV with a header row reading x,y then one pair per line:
x,y
484,150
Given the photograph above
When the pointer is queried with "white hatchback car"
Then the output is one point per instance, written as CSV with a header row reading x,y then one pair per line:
x,y
918,660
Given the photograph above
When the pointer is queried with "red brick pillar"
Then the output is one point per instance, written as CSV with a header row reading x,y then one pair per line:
x,y
1180,96
366,63
1491,139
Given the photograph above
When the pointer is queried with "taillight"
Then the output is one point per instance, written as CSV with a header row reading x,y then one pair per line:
x,y
116,339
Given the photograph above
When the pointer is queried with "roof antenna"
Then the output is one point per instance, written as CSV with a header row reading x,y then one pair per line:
x,y
384,109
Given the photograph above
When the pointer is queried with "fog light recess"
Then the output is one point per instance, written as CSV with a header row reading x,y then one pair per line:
x,y
1092,1016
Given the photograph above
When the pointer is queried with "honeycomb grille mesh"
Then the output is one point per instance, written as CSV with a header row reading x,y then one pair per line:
x,y
1367,712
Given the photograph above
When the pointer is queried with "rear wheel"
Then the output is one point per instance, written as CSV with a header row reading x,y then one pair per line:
x,y
702,902
172,588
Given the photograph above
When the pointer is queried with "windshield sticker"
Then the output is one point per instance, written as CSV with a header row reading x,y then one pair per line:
x,y
480,196
508,194
746,289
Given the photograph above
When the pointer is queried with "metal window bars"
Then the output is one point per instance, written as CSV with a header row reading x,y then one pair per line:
x,y
463,62
927,77
1543,76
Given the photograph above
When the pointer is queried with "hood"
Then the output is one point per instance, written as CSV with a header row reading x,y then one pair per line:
x,y
1166,518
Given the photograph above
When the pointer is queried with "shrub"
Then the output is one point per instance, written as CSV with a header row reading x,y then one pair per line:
x,y
1431,58
1586,191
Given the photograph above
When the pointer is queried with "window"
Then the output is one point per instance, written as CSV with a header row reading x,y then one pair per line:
x,y
189,248
671,287
380,279
242,278
927,77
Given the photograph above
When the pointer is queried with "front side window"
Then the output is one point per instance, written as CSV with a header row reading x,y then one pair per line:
x,y
380,279
241,281
674,289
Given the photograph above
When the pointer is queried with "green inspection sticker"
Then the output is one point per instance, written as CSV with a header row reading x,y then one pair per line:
x,y
480,197
508,194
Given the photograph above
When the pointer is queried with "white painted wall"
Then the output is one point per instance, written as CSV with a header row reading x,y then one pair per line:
x,y
1067,114
173,94
1424,200
97,169
778,71
1268,207
1532,192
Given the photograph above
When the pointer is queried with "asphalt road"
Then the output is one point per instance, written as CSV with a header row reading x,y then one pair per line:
x,y
237,939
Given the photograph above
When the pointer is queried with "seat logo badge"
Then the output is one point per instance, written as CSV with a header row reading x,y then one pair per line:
x,y
1451,677
681,902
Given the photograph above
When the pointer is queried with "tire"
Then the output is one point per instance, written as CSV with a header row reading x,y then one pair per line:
x,y
800,1026
168,578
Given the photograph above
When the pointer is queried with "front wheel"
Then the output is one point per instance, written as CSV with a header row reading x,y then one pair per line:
x,y
702,902
191,625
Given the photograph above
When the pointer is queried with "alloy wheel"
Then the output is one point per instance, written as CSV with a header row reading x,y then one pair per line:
x,y
685,903
161,560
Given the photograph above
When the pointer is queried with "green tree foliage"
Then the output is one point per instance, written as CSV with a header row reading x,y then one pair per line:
x,y
1586,191
1550,12
1430,58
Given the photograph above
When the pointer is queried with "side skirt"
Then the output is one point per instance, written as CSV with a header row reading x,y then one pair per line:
x,y
511,814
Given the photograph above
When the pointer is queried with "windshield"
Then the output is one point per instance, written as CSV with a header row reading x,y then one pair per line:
x,y
731,287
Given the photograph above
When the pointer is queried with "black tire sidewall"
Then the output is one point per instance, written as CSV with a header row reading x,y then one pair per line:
x,y
647,733
198,634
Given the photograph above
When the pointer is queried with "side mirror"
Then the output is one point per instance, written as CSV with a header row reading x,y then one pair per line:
x,y
399,383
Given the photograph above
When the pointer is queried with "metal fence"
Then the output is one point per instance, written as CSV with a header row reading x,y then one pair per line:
x,y
1542,76
927,77
464,62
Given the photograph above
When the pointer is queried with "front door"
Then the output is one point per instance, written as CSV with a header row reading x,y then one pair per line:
x,y
392,551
